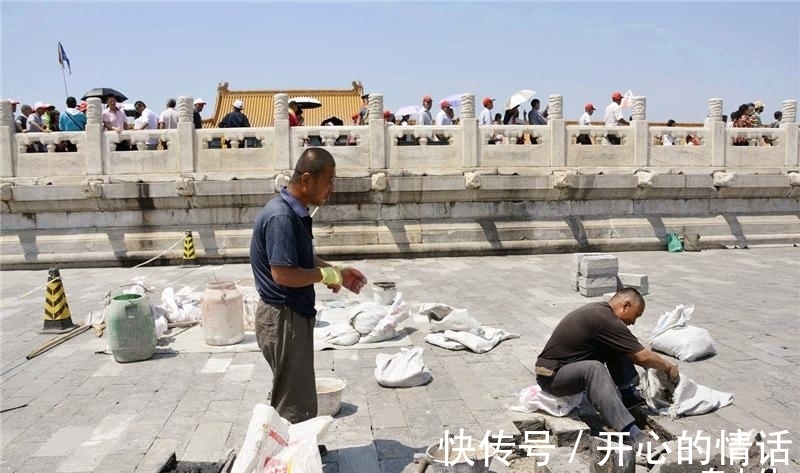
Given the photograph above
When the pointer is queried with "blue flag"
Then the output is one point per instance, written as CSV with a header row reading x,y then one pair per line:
x,y
62,58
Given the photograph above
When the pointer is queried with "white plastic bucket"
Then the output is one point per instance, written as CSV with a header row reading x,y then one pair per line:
x,y
329,395
384,292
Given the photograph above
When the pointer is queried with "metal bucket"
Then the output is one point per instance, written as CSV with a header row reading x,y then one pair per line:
x,y
439,463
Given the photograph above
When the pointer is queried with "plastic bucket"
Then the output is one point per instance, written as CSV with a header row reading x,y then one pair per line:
x,y
329,395
131,328
384,292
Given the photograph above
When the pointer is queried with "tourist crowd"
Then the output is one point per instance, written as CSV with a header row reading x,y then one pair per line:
x,y
45,117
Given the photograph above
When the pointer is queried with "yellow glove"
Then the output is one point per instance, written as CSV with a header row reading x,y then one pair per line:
x,y
331,275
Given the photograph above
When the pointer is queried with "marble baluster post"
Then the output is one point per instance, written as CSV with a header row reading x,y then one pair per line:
x,y
8,140
789,123
96,151
283,135
377,133
715,146
641,132
469,132
186,149
558,130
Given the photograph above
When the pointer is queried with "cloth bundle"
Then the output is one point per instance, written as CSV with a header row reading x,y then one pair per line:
x,y
456,329
369,322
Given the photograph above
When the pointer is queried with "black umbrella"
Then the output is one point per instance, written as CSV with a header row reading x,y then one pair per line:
x,y
336,121
103,92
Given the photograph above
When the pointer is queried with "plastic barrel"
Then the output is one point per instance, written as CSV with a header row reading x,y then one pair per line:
x,y
131,328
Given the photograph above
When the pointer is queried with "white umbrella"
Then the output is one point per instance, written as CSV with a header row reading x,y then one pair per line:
x,y
455,99
627,100
519,97
408,110
306,102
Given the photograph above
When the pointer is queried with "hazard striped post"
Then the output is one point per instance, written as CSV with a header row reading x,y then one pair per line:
x,y
57,317
188,247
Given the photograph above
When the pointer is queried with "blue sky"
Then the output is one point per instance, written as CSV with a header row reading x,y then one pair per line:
x,y
677,54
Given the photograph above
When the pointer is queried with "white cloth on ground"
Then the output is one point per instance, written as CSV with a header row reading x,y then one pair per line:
x,y
456,329
481,342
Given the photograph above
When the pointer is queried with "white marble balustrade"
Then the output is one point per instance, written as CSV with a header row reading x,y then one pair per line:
x,y
413,150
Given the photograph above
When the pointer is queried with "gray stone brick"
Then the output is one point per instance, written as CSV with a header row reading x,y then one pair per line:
x,y
207,443
599,266
636,281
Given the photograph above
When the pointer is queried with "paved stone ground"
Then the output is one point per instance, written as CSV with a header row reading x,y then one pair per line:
x,y
87,413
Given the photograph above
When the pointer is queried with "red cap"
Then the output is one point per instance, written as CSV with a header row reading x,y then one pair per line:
x,y
487,101
588,107
616,96
387,114
444,104
427,98
354,116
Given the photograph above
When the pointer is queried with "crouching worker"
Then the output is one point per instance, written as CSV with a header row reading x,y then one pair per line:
x,y
593,350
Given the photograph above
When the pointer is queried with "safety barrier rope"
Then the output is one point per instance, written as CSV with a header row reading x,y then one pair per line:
x,y
5,303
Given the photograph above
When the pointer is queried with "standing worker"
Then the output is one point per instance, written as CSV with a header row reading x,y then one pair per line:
x,y
286,268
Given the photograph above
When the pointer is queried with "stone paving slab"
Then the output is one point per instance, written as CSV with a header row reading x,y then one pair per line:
x,y
87,413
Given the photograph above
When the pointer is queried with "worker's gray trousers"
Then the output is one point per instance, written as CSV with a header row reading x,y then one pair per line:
x,y
601,385
286,340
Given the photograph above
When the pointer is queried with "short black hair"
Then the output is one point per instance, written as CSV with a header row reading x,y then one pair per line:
x,y
71,102
631,294
171,103
670,122
139,103
778,115
313,161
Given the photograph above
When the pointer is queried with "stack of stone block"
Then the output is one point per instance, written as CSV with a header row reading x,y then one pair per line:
x,y
596,274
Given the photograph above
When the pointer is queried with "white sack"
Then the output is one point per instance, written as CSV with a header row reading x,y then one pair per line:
x,y
533,399
274,445
672,335
443,317
402,370
250,300
183,306
365,316
686,399
386,328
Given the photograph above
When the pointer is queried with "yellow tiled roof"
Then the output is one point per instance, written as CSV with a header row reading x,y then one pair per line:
x,y
259,108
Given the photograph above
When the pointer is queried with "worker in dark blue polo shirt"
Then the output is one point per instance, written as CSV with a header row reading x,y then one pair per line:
x,y
286,268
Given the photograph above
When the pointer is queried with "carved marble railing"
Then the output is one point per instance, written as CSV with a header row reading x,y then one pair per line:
x,y
412,150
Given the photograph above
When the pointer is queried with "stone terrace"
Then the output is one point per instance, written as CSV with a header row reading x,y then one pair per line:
x,y
87,413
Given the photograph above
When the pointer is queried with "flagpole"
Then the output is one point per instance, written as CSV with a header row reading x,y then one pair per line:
x,y
64,76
